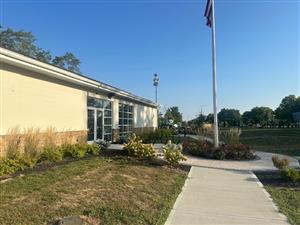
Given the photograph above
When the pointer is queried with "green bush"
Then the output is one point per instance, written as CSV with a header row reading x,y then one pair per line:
x,y
27,161
231,136
103,145
75,151
280,163
50,154
225,151
198,148
9,166
135,147
172,153
290,174
93,149
158,136
237,151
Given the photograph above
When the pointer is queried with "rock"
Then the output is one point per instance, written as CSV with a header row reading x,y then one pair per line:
x,y
70,220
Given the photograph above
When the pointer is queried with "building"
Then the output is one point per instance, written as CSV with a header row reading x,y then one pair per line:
x,y
37,94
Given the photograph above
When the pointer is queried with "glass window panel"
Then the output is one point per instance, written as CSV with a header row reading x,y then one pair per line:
x,y
107,129
107,121
106,104
107,113
120,107
98,103
99,124
91,125
90,101
108,137
130,108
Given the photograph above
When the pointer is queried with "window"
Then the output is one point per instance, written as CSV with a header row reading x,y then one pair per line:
x,y
125,119
103,127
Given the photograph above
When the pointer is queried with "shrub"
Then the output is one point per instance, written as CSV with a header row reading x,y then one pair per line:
x,y
74,151
49,137
225,151
50,154
158,136
231,136
9,166
31,143
198,148
290,174
13,143
93,149
103,145
135,147
280,163
237,151
172,153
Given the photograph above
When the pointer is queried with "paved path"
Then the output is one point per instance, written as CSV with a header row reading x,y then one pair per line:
x,y
218,196
264,163
226,192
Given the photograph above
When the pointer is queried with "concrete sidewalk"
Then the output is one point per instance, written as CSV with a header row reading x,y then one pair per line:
x,y
220,196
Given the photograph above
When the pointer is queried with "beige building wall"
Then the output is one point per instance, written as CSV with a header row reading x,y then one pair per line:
x,y
33,100
144,116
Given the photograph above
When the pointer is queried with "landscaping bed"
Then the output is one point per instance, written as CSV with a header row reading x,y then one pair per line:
x,y
107,190
286,194
205,149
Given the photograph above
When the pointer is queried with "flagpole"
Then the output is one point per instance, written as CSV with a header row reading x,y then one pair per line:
x,y
214,70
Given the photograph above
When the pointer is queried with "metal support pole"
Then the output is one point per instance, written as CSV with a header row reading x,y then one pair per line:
x,y
216,129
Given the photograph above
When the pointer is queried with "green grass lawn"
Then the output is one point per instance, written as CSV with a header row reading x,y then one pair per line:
x,y
285,194
282,141
116,190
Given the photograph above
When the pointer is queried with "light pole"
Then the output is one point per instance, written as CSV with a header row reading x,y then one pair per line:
x,y
155,84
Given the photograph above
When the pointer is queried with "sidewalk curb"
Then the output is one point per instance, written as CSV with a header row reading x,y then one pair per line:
x,y
268,196
189,176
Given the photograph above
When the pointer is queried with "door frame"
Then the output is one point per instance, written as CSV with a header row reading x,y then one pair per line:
x,y
95,121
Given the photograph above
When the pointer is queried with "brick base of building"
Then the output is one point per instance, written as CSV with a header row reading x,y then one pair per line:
x,y
58,138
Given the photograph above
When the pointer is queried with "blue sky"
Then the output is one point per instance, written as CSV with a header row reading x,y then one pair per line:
x,y
124,43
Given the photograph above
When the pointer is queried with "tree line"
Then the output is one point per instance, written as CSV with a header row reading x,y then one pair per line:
x,y
23,42
283,115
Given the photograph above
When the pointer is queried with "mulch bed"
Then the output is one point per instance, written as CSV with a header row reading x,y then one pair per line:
x,y
273,178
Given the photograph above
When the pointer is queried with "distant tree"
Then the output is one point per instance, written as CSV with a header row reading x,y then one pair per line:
x,y
247,118
67,61
200,119
231,117
288,105
173,113
210,118
23,42
261,115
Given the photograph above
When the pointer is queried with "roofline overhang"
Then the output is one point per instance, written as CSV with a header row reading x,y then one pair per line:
x,y
25,62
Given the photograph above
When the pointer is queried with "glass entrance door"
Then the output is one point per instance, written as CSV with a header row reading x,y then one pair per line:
x,y
95,124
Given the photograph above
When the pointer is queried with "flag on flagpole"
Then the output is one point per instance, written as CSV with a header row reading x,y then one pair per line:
x,y
208,13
